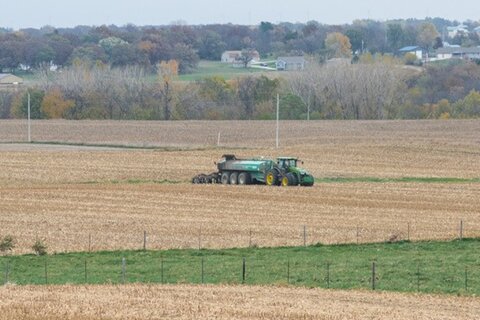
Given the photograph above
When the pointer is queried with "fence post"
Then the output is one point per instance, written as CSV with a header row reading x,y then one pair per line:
x,y
244,269
144,240
203,266
461,229
124,269
304,235
7,267
373,275
250,240
200,238
161,270
46,273
328,275
288,271
418,277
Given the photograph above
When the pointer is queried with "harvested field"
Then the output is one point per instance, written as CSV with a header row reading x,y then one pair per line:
x,y
182,215
329,148
224,302
430,134
66,193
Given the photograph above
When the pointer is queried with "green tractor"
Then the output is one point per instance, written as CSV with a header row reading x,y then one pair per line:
x,y
282,172
286,173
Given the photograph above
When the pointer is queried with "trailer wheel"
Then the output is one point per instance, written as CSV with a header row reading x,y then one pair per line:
x,y
244,178
233,178
271,178
225,178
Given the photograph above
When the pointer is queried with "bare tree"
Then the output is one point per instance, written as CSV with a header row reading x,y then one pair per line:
x,y
352,91
100,91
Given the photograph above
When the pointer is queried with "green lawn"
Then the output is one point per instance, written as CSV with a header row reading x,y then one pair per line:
x,y
438,267
215,68
205,69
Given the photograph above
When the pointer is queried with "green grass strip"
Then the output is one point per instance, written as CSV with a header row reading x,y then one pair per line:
x,y
396,180
430,267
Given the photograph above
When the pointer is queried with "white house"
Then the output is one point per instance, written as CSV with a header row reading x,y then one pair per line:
x,y
453,31
290,63
416,50
458,52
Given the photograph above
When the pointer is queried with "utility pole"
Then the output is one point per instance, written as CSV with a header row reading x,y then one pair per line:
x,y
29,136
278,116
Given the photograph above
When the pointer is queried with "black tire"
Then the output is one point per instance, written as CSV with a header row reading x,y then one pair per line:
x,y
233,178
195,180
225,178
271,178
244,178
292,179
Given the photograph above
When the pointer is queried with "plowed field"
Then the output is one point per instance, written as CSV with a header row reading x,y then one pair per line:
x,y
224,302
77,197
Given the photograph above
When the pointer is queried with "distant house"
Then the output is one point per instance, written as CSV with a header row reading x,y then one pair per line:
x,y
7,78
458,53
454,31
234,56
290,63
416,50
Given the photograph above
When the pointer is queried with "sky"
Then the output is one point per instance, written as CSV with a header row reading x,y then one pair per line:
x,y
19,14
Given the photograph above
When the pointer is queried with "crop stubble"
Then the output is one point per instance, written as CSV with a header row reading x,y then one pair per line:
x,y
224,302
65,194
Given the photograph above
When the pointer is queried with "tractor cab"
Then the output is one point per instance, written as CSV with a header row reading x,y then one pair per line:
x,y
286,162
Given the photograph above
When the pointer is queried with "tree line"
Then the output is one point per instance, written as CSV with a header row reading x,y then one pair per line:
x,y
147,45
376,87
130,72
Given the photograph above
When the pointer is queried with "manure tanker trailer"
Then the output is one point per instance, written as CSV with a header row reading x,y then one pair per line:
x,y
283,171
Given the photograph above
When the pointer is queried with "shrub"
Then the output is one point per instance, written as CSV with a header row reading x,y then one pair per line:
x,y
410,59
7,244
39,247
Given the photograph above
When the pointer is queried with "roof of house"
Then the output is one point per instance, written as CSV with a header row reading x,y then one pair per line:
x,y
13,78
409,48
296,59
459,27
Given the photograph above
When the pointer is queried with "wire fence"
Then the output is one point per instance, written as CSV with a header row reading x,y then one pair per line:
x,y
241,236
313,267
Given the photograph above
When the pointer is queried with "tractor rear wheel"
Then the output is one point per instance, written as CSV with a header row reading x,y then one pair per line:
x,y
244,178
234,178
271,178
225,178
